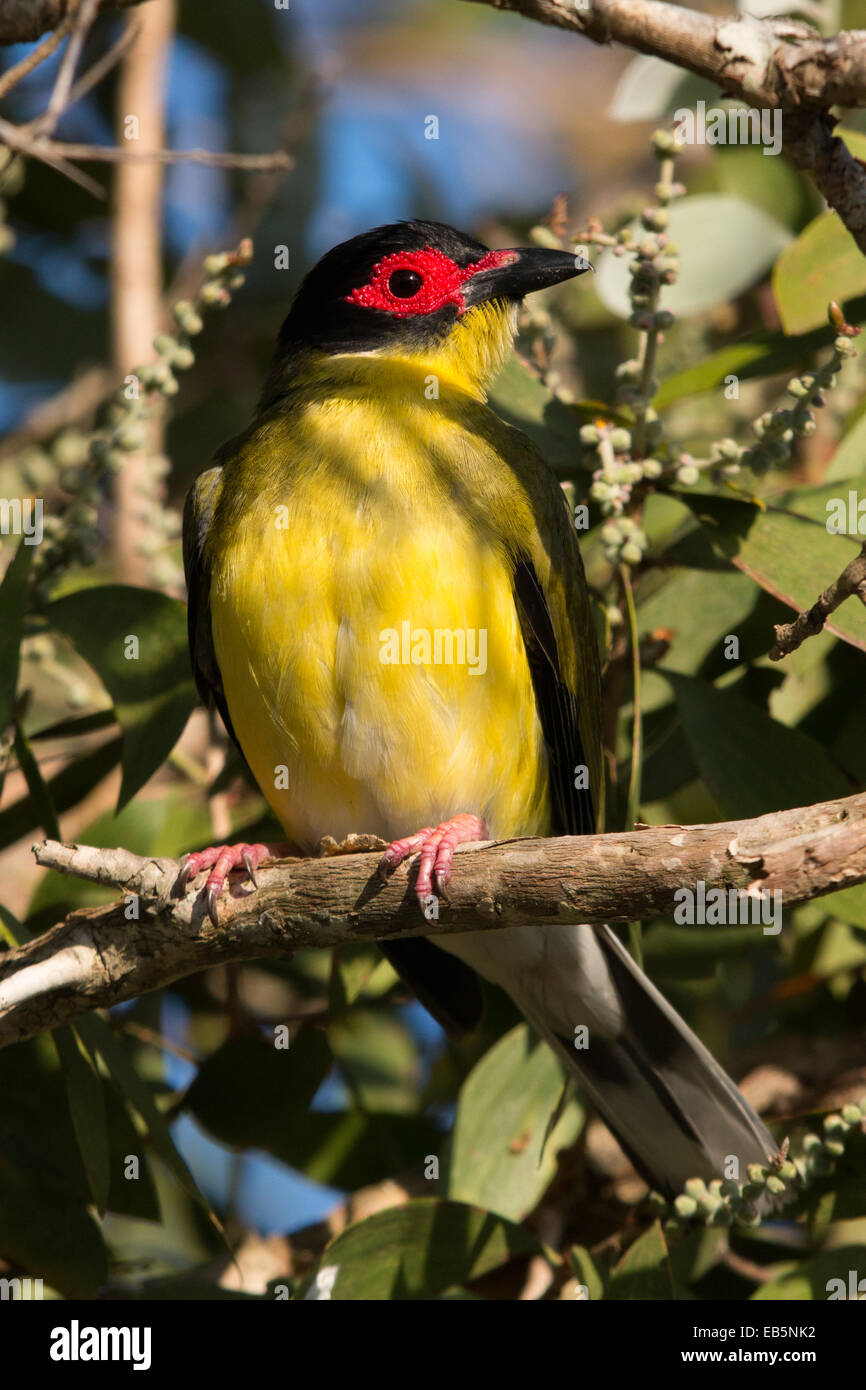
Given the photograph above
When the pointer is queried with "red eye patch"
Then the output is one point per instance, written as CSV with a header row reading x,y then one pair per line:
x,y
440,281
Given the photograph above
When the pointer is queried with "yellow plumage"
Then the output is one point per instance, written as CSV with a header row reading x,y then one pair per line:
x,y
381,493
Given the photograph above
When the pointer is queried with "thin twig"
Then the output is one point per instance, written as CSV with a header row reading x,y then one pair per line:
x,y
83,17
17,138
851,583
44,50
102,67
635,932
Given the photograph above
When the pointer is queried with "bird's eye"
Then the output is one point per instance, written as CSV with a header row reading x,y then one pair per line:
x,y
403,284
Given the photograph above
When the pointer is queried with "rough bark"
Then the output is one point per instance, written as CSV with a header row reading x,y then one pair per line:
x,y
99,956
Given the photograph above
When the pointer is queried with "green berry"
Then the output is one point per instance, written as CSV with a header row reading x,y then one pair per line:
x,y
628,371
215,265
130,439
631,553
664,143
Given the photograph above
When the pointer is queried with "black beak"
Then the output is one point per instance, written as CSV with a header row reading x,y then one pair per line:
x,y
522,270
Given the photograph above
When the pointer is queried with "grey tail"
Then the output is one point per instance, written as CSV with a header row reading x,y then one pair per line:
x,y
673,1109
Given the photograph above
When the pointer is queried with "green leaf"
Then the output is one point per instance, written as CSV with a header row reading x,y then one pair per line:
x,y
649,89
76,725
13,600
378,1056
44,1222
644,1272
752,763
250,1093
520,399
586,1272
40,795
84,1092
762,355
98,1037
50,1236
826,1276
726,243
773,184
499,1130
792,557
848,905
66,789
420,1250
699,608
849,460
352,968
150,683
350,1150
824,263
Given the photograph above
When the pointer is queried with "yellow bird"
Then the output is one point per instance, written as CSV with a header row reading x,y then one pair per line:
x,y
388,608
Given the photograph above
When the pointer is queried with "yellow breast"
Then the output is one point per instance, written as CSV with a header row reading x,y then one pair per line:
x,y
365,628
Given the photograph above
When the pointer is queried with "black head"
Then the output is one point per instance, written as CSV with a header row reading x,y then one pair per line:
x,y
407,284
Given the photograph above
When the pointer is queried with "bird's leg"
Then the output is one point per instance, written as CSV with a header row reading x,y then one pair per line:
x,y
437,845
221,859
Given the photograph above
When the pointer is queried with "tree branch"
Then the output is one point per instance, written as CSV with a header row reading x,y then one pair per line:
x,y
772,64
23,21
852,580
100,956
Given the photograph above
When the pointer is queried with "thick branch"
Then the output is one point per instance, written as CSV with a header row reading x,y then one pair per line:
x,y
136,276
98,957
771,64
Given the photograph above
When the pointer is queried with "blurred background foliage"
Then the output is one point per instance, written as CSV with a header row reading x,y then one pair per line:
x,y
137,1148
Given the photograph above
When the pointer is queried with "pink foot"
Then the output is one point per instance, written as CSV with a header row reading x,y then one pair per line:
x,y
221,859
437,847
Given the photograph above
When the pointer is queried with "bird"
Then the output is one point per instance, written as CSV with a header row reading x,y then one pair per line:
x,y
388,609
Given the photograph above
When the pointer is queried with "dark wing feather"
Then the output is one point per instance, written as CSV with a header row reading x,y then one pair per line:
x,y
448,989
558,707
197,516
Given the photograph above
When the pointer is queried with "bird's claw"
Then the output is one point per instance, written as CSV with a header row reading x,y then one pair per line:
x,y
221,860
212,898
437,845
